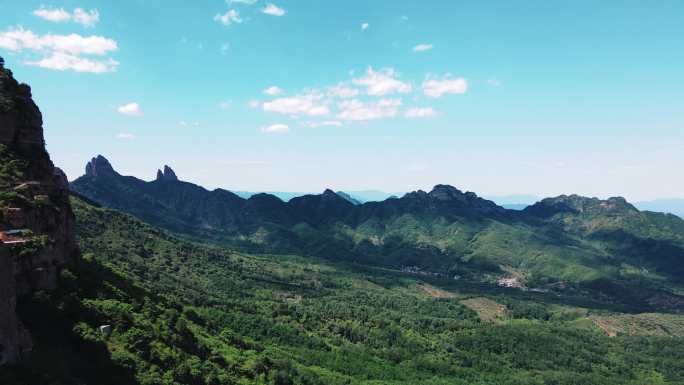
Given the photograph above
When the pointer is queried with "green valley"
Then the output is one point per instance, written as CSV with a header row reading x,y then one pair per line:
x,y
189,313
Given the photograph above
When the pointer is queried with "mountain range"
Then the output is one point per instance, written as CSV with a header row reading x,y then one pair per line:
x,y
444,231
514,202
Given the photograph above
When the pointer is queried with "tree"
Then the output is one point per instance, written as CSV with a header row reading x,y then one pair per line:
x,y
2,62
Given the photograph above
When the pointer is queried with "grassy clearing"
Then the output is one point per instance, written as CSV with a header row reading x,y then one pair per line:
x,y
486,309
646,324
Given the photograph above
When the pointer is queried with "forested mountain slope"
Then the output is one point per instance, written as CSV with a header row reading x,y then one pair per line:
x,y
444,231
188,313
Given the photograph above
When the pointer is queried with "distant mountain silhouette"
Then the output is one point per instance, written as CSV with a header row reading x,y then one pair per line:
x,y
445,229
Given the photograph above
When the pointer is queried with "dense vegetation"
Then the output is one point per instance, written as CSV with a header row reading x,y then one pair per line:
x,y
190,313
559,241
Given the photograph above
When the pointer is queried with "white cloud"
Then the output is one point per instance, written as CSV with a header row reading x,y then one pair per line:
x,y
61,61
310,104
382,82
53,15
364,26
422,47
254,104
20,39
422,112
80,16
342,91
273,91
225,104
86,18
130,109
125,136
435,88
62,52
247,2
273,10
276,129
356,110
228,18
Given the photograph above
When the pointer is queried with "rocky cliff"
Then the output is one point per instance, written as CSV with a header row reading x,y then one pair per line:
x,y
36,222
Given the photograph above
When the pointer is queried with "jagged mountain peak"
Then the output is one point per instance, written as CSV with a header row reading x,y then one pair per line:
x,y
168,175
444,192
99,166
329,194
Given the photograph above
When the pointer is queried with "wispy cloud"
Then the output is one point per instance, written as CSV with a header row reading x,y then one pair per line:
x,y
225,104
61,61
420,112
130,109
273,91
342,91
373,95
230,17
86,18
435,88
364,26
310,104
276,129
273,10
357,110
19,39
53,15
382,82
422,47
59,15
62,52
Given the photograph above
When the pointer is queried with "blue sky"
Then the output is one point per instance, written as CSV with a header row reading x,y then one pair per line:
x,y
496,97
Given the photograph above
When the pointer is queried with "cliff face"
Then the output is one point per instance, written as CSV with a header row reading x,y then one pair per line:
x,y
36,222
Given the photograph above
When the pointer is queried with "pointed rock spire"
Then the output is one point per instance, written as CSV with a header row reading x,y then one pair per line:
x,y
167,175
99,166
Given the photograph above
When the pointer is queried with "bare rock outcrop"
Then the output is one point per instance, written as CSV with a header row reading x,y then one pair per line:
x,y
168,175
